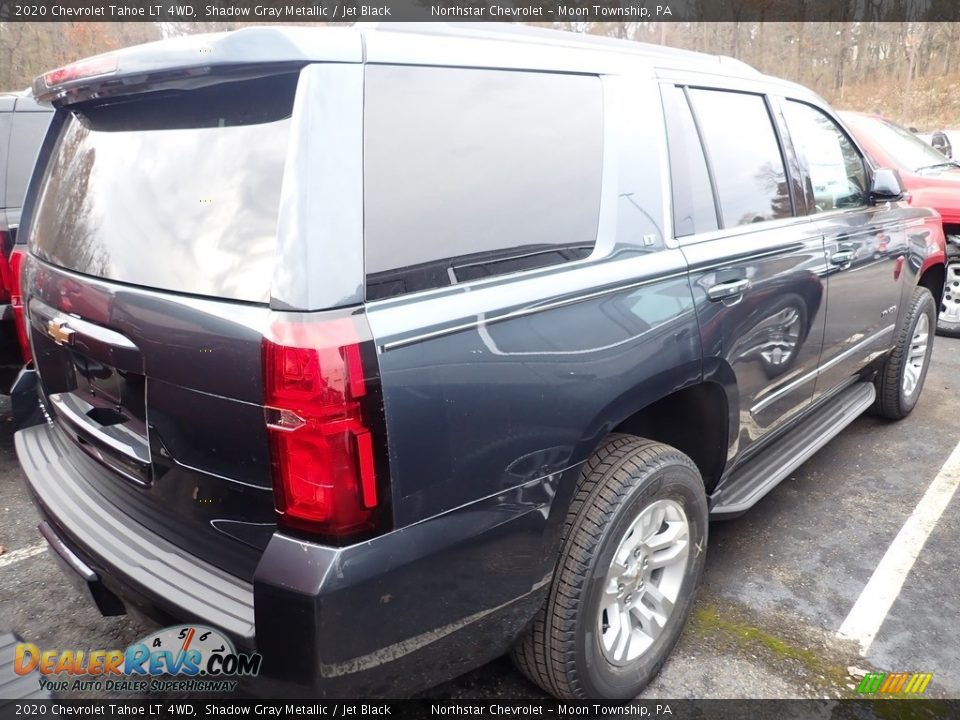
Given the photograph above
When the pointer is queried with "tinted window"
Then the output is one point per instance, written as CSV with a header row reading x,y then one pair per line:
x,y
179,192
476,173
745,157
25,139
693,207
833,165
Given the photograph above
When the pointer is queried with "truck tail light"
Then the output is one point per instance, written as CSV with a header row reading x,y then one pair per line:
x,y
324,414
16,301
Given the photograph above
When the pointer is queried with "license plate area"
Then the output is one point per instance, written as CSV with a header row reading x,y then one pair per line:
x,y
106,434
94,380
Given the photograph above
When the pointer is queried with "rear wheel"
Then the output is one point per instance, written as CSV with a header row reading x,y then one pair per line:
x,y
901,378
632,558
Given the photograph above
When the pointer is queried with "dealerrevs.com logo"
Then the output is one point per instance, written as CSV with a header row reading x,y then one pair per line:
x,y
184,658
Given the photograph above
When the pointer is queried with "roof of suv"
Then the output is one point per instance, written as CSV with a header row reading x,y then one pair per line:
x,y
524,34
21,101
464,44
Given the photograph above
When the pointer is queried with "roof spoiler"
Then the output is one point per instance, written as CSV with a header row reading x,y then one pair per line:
x,y
194,61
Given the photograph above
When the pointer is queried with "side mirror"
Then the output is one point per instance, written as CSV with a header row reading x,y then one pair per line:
x,y
885,186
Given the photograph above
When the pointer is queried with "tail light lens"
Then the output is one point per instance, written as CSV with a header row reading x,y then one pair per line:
x,y
324,416
16,300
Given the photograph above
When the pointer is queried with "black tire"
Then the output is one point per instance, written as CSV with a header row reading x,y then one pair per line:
x,y
893,402
948,329
561,650
951,295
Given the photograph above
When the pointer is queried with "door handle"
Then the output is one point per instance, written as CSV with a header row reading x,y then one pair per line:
x,y
725,290
841,257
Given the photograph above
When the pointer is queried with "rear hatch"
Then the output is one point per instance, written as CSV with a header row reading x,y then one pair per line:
x,y
152,239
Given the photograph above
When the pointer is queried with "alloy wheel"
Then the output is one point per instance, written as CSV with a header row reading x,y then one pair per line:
x,y
643,581
917,356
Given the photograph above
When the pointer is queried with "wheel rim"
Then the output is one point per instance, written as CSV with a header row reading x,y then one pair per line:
x,y
950,306
643,581
917,358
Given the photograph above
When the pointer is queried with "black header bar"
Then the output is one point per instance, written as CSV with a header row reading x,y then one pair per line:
x,y
293,11
222,707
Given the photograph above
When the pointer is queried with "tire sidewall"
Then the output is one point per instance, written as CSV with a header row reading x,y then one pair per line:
x,y
600,678
948,329
926,305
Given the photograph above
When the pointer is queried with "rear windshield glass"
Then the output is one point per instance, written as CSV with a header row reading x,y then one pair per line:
x,y
174,191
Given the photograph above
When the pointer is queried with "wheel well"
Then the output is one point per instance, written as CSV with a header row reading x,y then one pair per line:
x,y
932,279
949,229
693,420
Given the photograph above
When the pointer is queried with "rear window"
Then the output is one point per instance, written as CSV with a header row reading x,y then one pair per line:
x,y
476,173
175,191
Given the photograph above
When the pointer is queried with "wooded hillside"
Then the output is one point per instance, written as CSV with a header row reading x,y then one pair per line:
x,y
908,71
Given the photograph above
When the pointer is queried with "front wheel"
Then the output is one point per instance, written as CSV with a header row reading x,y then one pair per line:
x,y
625,582
901,378
948,323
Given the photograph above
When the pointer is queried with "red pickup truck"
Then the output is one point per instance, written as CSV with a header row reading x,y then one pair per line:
x,y
931,180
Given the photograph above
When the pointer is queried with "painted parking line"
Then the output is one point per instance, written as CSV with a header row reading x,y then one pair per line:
x,y
11,558
868,613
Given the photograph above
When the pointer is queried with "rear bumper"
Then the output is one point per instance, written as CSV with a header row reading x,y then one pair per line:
x,y
384,618
131,562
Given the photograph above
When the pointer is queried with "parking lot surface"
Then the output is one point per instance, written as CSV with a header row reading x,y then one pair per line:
x,y
779,584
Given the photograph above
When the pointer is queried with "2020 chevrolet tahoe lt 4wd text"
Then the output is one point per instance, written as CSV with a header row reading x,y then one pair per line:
x,y
389,352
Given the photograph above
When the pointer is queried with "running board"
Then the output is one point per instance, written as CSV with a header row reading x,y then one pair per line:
x,y
761,474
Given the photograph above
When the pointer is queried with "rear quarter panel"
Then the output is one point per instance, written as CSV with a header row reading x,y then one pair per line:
x,y
501,393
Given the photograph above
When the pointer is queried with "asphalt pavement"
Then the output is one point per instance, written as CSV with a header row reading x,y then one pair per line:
x,y
779,581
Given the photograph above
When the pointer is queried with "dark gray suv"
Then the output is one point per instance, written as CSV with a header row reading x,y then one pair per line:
x,y
387,352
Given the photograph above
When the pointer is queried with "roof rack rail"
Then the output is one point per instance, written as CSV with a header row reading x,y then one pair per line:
x,y
509,32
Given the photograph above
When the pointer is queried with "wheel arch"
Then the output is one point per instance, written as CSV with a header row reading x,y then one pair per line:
x,y
694,418
933,278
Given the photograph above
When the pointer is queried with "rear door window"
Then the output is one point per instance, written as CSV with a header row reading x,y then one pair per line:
x,y
178,191
477,173
694,210
744,155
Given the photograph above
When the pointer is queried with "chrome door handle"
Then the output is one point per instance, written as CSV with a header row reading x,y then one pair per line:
x,y
722,291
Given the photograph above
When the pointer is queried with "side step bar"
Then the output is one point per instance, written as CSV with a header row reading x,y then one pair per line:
x,y
764,472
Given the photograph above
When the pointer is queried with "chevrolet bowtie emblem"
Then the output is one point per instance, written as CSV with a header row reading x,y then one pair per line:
x,y
61,334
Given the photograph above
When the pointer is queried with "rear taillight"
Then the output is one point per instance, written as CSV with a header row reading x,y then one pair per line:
x,y
323,412
16,300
